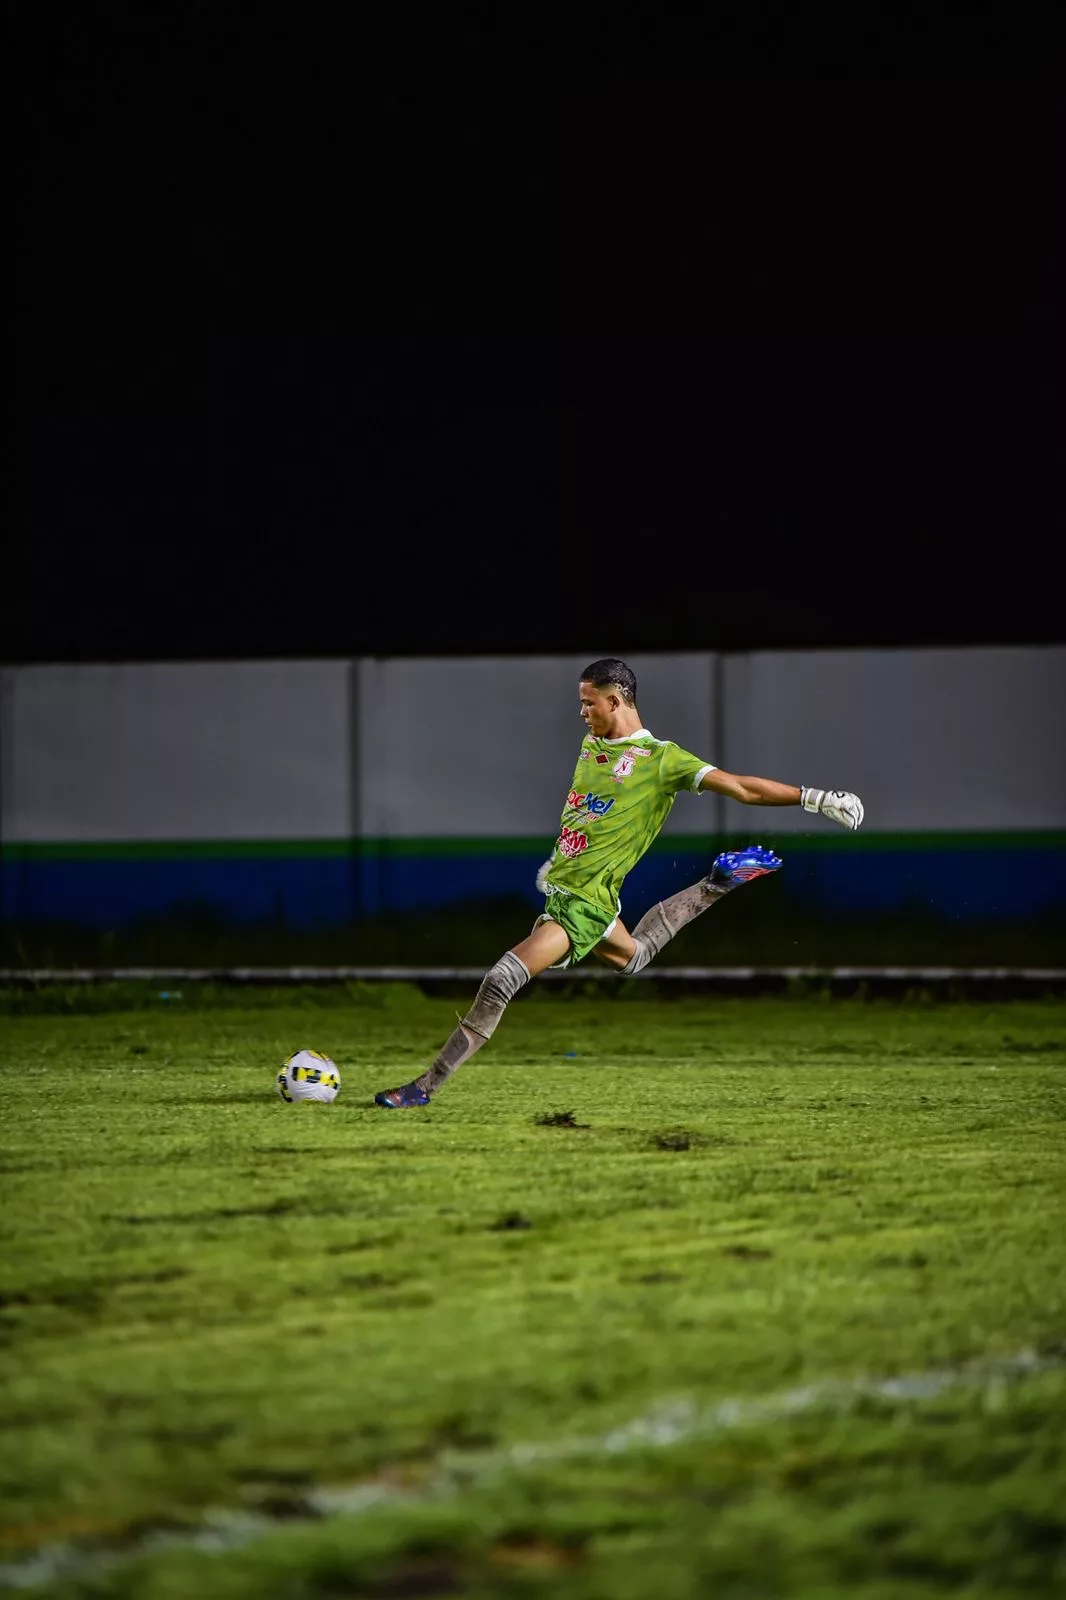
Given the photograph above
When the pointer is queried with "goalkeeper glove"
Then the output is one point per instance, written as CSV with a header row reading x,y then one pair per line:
x,y
837,804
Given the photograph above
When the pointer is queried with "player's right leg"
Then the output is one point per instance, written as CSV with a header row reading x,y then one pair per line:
x,y
546,945
657,927
617,948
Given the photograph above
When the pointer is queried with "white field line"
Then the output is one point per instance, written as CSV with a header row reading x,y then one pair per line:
x,y
668,1423
285,975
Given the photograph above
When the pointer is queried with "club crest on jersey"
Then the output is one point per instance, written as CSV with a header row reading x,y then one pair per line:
x,y
590,803
571,842
624,765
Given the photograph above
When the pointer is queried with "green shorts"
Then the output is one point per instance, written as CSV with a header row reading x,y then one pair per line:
x,y
584,924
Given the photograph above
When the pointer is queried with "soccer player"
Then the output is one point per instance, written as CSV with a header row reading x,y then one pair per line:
x,y
624,785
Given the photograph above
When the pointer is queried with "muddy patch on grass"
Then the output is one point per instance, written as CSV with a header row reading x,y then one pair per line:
x,y
510,1222
536,1553
414,1580
374,1280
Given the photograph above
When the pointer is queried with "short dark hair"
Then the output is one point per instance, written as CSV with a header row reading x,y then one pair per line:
x,y
612,673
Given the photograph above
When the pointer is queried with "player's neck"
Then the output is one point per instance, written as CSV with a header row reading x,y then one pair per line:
x,y
626,721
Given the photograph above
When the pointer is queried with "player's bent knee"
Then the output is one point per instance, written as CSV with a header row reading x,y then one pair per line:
x,y
610,957
499,986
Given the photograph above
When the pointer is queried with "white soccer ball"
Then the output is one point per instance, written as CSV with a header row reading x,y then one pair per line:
x,y
309,1075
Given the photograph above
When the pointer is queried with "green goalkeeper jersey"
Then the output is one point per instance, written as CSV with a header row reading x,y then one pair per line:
x,y
620,797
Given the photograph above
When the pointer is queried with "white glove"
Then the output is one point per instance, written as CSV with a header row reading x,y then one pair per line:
x,y
542,875
836,804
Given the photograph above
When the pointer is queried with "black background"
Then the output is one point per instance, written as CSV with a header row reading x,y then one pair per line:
x,y
487,337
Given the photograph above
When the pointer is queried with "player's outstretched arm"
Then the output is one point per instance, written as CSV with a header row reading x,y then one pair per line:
x,y
837,804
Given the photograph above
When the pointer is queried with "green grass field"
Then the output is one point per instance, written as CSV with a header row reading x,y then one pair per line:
x,y
616,1317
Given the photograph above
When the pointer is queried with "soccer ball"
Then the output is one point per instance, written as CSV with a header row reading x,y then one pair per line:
x,y
308,1075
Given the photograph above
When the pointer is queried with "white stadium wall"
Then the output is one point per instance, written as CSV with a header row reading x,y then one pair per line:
x,y
320,791
487,747
932,739
236,750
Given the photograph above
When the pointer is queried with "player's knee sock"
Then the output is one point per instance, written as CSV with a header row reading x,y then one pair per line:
x,y
658,926
499,986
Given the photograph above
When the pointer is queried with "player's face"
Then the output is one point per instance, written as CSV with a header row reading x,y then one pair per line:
x,y
598,706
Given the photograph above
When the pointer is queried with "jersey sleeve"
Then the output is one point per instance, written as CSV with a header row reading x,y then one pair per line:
x,y
682,770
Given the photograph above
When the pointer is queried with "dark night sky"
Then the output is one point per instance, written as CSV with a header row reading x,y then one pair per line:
x,y
334,346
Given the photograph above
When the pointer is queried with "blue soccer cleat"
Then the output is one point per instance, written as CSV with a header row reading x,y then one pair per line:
x,y
408,1094
734,867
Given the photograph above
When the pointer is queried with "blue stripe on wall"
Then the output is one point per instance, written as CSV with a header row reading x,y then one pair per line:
x,y
295,891
303,891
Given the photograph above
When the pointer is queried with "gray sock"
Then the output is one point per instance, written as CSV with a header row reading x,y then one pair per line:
x,y
658,926
499,986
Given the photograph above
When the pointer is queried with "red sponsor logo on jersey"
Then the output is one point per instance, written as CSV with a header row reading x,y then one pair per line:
x,y
602,760
571,842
